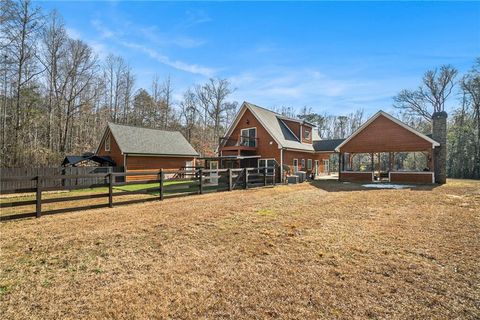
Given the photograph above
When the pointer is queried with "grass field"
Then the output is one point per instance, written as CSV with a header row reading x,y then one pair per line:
x,y
315,250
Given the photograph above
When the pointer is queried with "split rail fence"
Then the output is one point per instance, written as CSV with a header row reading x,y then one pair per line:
x,y
168,183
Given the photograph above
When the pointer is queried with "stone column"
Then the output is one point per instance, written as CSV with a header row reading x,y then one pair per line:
x,y
439,134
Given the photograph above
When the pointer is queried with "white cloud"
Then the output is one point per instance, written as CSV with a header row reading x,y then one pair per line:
x,y
180,65
73,33
148,35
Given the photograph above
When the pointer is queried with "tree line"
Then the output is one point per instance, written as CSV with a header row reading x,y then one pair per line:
x,y
58,95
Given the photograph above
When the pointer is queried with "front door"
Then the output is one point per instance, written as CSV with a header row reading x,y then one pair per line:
x,y
316,167
326,166
295,166
214,173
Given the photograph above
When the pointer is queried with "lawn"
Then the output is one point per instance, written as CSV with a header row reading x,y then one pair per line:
x,y
315,250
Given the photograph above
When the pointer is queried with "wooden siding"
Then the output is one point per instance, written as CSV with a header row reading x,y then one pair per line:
x,y
356,176
384,135
153,163
115,153
411,177
266,145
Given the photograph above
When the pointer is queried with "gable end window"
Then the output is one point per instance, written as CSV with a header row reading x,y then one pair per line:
x,y
107,143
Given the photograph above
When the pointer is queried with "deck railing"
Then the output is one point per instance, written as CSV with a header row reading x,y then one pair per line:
x,y
168,183
241,141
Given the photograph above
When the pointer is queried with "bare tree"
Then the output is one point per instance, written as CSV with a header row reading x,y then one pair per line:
x,y
54,38
431,96
78,77
216,91
470,85
19,32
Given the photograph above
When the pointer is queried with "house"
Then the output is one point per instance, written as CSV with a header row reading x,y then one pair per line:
x,y
380,141
145,149
259,137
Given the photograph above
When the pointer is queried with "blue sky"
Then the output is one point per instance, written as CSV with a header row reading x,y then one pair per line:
x,y
333,57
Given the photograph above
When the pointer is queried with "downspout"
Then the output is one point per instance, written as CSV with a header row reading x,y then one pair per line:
x,y
281,165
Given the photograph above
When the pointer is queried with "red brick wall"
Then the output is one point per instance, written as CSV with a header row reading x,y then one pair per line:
x,y
356,176
419,177
384,135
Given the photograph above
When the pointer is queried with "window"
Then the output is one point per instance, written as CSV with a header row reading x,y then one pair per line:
x,y
107,143
295,165
307,134
303,163
248,137
309,164
270,163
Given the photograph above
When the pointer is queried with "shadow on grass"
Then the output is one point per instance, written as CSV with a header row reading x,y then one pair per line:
x,y
338,186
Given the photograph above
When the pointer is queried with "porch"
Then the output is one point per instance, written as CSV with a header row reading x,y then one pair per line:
x,y
400,166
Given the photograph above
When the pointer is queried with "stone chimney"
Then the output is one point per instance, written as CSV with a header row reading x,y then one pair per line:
x,y
439,134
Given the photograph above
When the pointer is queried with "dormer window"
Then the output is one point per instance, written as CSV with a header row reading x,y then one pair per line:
x,y
307,134
107,143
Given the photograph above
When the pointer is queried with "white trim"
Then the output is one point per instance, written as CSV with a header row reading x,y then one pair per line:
x,y
255,138
161,155
107,128
281,165
300,150
301,133
311,164
108,139
286,125
393,119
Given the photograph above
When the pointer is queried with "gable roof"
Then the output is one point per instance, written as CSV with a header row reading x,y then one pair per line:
x,y
73,160
139,140
393,119
273,123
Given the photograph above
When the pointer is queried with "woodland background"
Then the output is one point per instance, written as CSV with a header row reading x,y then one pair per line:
x,y
57,96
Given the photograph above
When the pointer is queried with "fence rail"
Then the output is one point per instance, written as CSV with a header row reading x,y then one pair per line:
x,y
13,179
169,183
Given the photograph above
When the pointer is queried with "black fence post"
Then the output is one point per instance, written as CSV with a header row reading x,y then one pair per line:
x,y
161,184
230,184
245,178
110,190
200,181
38,205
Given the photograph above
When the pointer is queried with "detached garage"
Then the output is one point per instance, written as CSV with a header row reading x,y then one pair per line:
x,y
145,149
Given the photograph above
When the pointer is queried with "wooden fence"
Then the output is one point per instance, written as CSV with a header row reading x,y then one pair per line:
x,y
168,183
30,185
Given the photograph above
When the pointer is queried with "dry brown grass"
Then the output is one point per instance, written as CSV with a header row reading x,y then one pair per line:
x,y
322,250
